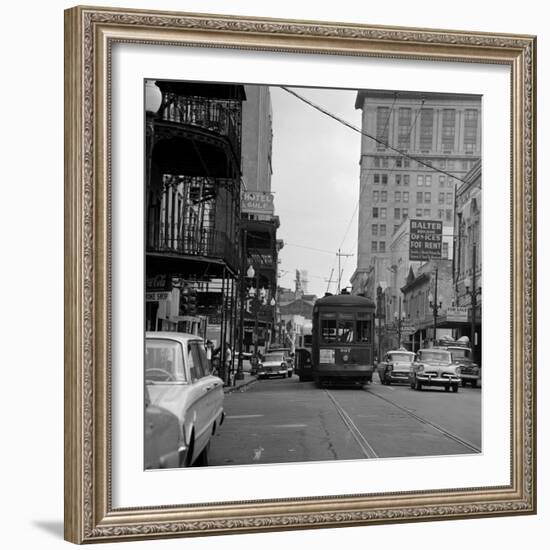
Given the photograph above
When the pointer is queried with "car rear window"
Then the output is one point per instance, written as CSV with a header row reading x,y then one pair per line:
x,y
163,361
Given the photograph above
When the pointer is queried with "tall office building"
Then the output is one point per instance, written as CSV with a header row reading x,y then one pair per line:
x,y
442,131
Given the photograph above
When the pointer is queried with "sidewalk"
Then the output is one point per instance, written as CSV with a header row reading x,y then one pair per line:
x,y
240,385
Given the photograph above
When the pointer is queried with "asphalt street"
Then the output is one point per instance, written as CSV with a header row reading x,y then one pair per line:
x,y
284,420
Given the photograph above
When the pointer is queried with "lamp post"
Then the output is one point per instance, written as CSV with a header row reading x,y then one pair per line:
x,y
399,319
472,291
379,315
434,305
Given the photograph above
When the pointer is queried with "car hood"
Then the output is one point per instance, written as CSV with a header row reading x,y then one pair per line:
x,y
174,397
401,365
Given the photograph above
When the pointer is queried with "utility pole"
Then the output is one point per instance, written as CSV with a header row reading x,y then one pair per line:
x,y
340,254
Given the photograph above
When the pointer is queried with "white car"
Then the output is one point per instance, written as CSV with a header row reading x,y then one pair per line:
x,y
178,378
274,364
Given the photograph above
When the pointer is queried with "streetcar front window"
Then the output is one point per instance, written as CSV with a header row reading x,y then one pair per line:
x,y
363,331
345,331
328,329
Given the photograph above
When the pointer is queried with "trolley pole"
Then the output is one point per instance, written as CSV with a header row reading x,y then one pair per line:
x,y
340,254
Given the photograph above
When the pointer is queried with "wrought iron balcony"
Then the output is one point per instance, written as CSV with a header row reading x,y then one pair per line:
x,y
210,243
220,116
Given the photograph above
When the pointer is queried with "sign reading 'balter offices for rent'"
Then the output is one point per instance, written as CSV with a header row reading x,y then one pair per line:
x,y
425,240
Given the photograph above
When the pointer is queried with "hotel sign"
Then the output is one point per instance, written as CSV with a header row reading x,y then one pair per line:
x,y
457,314
259,202
425,240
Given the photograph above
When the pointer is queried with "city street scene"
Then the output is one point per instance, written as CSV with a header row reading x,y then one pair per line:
x,y
313,274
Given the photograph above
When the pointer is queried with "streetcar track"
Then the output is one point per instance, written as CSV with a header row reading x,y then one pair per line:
x,y
446,433
360,439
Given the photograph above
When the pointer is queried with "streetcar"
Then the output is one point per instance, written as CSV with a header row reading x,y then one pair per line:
x,y
343,340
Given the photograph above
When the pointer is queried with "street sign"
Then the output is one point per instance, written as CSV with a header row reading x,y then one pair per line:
x,y
457,314
425,239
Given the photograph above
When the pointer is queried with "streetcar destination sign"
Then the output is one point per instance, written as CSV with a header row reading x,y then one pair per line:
x,y
425,239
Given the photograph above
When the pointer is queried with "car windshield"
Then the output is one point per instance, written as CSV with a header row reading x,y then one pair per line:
x,y
440,356
402,357
274,357
460,353
163,361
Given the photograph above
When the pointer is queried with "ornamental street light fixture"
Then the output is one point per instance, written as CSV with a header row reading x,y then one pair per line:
x,y
399,320
434,305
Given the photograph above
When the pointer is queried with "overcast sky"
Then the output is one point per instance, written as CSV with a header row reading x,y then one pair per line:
x,y
316,184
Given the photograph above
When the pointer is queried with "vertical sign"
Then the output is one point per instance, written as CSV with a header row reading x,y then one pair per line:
x,y
425,240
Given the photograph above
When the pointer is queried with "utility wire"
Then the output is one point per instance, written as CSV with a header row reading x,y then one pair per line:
x,y
355,129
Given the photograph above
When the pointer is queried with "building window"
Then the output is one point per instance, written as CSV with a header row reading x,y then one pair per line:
x,y
470,130
383,213
382,229
385,162
419,212
419,197
426,129
449,215
449,198
398,162
405,213
450,183
406,163
427,213
404,128
382,246
420,181
382,124
397,179
406,179
374,229
374,246
375,212
405,196
441,181
384,179
396,213
384,196
375,196
428,181
397,196
442,164
440,214
395,228
376,179
448,129
445,251
427,197
441,199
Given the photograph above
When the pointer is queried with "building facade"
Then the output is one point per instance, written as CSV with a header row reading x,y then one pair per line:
x,y
412,134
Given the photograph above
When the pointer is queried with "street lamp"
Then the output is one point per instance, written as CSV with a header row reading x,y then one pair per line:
x,y
399,320
472,291
434,305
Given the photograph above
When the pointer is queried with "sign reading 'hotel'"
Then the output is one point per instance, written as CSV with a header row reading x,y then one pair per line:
x,y
425,240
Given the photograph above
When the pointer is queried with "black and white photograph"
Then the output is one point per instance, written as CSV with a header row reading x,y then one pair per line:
x,y
313,274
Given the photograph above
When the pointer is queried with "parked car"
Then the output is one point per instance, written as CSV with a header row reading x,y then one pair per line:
x,y
470,372
164,443
434,367
289,356
178,379
396,366
274,363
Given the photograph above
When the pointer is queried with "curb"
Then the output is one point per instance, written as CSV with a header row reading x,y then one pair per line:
x,y
231,389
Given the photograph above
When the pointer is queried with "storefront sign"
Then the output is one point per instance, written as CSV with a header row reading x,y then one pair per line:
x,y
457,314
425,240
156,296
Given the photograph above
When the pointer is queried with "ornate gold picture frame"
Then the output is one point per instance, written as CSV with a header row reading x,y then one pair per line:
x,y
90,34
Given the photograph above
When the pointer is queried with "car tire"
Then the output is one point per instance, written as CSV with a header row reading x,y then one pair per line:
x,y
289,374
474,383
202,459
455,388
463,383
447,388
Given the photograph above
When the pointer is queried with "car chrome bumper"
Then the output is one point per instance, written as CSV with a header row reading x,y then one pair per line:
x,y
438,381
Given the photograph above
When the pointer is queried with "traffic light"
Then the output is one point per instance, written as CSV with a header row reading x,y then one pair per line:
x,y
192,302
184,301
